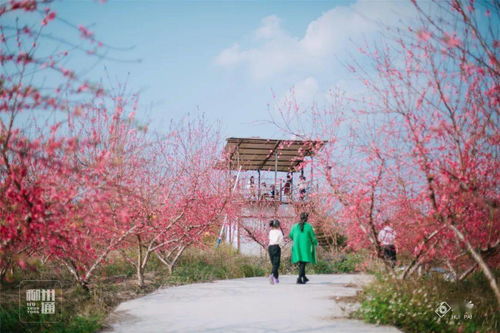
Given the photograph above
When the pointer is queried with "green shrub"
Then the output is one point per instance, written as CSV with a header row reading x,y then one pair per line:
x,y
345,263
251,270
323,267
117,267
9,321
216,264
411,305
80,324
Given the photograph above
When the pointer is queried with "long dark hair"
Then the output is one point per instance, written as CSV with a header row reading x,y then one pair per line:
x,y
274,224
303,219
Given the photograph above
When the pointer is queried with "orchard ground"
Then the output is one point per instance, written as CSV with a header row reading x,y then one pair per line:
x,y
241,292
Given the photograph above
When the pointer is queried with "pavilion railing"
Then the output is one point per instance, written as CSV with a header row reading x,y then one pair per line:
x,y
268,190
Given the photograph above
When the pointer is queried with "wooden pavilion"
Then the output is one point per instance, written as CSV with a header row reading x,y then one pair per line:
x,y
265,155
271,155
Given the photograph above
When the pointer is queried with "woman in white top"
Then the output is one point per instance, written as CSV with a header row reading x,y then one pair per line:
x,y
275,240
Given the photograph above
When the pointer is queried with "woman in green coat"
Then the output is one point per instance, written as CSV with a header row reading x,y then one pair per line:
x,y
304,246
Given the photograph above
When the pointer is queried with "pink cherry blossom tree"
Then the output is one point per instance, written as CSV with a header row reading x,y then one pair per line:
x,y
35,151
420,150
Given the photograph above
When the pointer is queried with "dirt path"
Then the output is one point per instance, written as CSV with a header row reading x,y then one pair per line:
x,y
246,305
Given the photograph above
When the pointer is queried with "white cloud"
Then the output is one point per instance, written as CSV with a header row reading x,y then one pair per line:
x,y
230,56
308,92
270,28
304,92
278,52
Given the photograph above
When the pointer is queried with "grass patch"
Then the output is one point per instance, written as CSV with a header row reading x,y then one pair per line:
x,y
345,263
9,316
411,305
216,264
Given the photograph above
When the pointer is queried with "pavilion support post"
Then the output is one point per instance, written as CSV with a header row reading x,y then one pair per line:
x,y
238,234
258,184
312,172
275,172
281,192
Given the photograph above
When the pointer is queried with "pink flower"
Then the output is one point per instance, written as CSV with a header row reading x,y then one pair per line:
x,y
84,87
86,33
451,41
50,16
67,72
22,263
24,58
424,35
27,5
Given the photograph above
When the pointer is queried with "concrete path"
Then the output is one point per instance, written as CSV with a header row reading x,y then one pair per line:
x,y
246,305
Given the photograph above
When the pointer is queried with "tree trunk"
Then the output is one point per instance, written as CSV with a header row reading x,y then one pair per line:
x,y
85,286
480,262
140,276
140,268
467,272
416,262
5,268
170,259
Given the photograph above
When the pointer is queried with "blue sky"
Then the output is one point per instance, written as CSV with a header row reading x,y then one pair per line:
x,y
231,60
